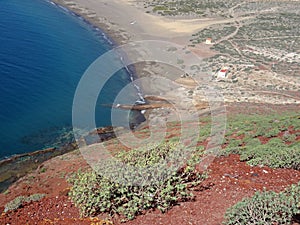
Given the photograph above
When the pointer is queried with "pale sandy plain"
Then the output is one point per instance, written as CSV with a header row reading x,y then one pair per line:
x,y
124,16
125,21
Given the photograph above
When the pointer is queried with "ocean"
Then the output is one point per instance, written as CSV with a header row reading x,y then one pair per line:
x,y
44,51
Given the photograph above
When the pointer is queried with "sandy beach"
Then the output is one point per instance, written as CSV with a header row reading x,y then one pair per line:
x,y
245,118
124,21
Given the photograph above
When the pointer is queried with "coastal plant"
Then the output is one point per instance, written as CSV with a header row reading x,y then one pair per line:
x,y
43,170
21,200
266,208
289,137
272,132
275,154
94,193
251,142
235,143
6,192
278,151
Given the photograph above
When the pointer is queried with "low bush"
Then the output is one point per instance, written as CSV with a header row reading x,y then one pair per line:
x,y
266,208
94,193
272,132
275,154
20,200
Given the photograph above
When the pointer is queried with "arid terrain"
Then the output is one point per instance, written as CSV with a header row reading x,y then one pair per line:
x,y
255,44
229,180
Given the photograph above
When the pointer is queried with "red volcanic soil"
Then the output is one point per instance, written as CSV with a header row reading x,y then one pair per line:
x,y
229,181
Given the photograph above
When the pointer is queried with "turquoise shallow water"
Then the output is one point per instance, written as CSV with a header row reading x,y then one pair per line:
x,y
44,50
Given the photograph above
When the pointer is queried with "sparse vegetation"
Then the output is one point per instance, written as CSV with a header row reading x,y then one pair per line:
x,y
190,7
94,193
279,151
19,201
214,32
258,46
275,154
266,208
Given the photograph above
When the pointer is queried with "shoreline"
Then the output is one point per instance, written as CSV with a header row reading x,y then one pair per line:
x,y
111,42
118,32
112,39
123,22
134,72
110,35
15,166
31,160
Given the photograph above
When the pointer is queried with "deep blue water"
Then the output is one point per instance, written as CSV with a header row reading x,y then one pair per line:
x,y
44,51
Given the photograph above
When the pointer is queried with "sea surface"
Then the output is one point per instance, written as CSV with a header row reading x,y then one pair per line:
x,y
44,51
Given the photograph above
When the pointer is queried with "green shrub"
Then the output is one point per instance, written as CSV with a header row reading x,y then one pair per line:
x,y
266,208
234,147
159,8
272,132
260,131
252,142
231,150
289,137
274,154
94,193
20,200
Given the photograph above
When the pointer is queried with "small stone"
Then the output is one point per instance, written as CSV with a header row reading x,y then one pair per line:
x,y
254,175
